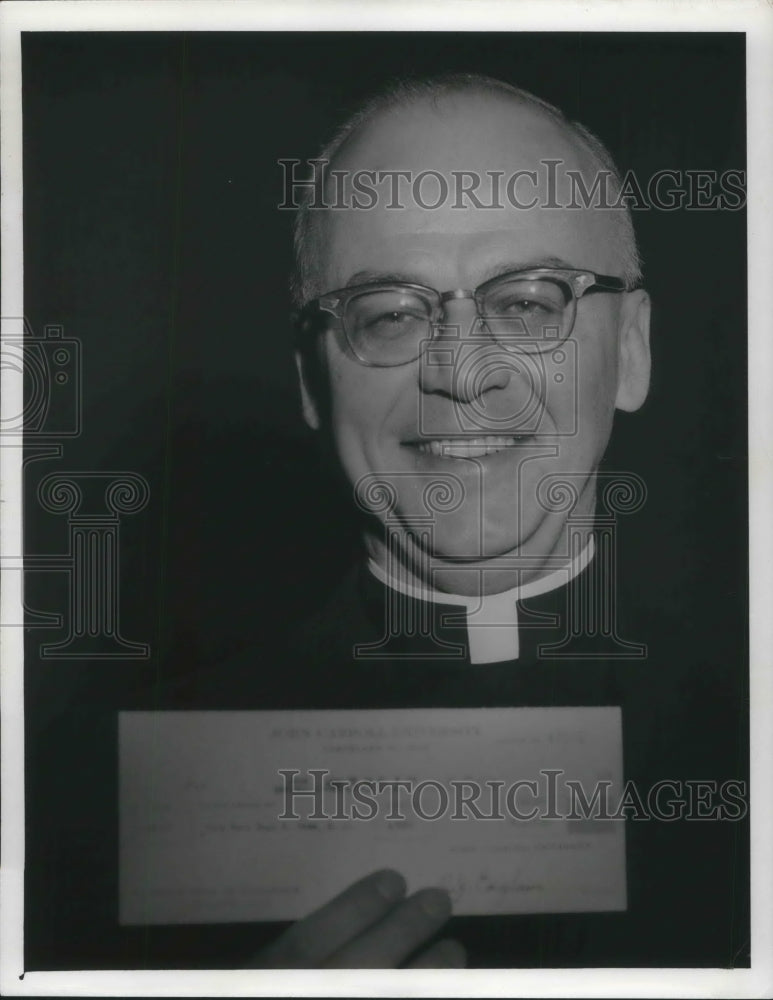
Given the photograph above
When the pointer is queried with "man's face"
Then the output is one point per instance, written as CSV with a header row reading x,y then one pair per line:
x,y
494,426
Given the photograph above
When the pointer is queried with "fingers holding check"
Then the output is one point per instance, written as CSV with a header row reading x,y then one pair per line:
x,y
370,925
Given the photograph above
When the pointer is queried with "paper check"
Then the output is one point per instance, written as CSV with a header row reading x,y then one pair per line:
x,y
202,796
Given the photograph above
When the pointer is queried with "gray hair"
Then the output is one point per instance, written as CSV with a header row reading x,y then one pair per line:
x,y
405,92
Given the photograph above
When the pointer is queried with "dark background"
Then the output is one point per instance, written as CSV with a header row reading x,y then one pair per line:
x,y
151,234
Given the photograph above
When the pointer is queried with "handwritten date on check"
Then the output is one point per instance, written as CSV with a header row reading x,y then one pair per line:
x,y
229,816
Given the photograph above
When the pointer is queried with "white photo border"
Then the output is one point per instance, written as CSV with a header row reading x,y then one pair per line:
x,y
753,18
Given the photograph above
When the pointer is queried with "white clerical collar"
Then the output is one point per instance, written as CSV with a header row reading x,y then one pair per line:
x,y
492,620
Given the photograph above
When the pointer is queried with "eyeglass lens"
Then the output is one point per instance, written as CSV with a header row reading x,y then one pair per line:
x,y
389,325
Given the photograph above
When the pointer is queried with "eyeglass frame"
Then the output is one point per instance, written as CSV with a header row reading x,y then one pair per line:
x,y
578,280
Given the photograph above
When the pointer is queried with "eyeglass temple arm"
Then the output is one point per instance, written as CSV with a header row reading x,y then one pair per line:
x,y
599,283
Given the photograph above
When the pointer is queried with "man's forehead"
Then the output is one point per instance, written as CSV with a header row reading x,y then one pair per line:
x,y
458,248
454,259
513,157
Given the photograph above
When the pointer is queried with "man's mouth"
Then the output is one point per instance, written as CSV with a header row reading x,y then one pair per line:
x,y
477,447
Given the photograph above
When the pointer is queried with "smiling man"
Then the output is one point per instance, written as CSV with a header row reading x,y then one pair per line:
x,y
479,349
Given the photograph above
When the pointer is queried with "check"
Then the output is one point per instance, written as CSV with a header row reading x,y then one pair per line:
x,y
242,816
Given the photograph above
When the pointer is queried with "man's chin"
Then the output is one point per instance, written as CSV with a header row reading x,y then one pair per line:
x,y
468,544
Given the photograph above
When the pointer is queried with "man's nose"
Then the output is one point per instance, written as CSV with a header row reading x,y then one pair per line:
x,y
463,361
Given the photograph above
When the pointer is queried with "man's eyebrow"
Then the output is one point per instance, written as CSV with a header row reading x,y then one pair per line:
x,y
528,265
365,277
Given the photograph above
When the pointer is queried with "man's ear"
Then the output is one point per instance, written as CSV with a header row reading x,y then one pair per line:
x,y
633,374
308,402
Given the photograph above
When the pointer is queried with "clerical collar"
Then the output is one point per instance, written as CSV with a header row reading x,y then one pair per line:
x,y
492,620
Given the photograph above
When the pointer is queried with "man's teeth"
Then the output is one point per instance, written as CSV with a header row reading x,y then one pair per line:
x,y
468,447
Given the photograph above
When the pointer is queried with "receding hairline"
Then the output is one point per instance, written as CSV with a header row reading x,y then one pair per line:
x,y
459,104
404,94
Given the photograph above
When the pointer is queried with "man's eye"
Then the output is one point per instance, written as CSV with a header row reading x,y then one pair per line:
x,y
393,318
521,307
390,323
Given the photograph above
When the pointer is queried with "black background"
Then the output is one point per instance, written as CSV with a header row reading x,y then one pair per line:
x,y
151,234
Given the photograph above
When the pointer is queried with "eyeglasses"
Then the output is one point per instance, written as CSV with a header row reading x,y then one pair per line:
x,y
387,324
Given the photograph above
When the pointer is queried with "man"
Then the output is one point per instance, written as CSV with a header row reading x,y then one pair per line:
x,y
464,356
495,408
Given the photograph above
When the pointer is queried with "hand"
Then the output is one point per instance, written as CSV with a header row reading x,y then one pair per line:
x,y
371,925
